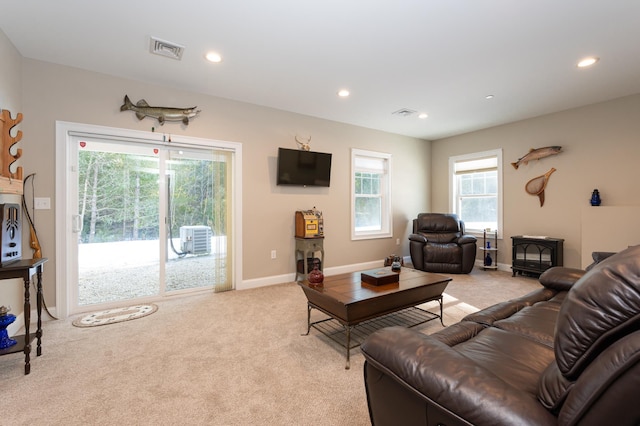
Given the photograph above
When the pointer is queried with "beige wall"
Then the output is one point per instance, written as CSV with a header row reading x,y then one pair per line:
x,y
11,291
601,148
52,92
600,144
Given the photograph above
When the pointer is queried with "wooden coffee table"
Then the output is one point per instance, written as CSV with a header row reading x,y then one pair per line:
x,y
354,304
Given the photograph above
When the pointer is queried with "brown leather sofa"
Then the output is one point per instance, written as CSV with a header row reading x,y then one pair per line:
x,y
566,354
438,244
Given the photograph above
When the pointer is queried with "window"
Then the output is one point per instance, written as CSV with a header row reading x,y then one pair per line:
x,y
476,190
370,194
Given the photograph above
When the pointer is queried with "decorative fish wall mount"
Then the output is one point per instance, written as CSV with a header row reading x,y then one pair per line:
x,y
142,109
536,154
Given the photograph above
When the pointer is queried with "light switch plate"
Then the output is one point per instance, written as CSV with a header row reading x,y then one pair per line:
x,y
42,203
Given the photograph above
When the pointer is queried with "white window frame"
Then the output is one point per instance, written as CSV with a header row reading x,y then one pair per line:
x,y
497,153
385,194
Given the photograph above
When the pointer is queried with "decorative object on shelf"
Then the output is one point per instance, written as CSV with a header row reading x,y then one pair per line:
x,y
162,114
5,320
10,181
304,146
537,185
316,276
536,154
487,248
595,198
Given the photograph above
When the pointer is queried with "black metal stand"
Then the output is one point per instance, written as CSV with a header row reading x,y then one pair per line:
x,y
352,336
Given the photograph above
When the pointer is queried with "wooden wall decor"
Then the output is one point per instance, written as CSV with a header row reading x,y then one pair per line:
x,y
10,183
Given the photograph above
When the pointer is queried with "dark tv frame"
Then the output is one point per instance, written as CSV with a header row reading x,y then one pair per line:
x,y
308,161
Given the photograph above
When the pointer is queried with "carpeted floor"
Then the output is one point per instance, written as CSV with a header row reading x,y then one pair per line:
x,y
234,358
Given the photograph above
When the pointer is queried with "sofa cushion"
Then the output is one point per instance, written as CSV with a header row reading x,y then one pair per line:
x,y
608,383
442,252
535,322
601,307
516,359
507,308
458,333
553,388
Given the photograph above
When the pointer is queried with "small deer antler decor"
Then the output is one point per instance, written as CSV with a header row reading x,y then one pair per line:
x,y
305,146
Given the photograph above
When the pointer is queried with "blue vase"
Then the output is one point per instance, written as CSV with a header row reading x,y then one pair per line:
x,y
5,340
595,198
488,260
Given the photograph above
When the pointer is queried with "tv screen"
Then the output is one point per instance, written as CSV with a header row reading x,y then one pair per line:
x,y
306,168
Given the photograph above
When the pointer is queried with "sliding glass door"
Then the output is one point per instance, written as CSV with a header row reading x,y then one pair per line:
x,y
151,220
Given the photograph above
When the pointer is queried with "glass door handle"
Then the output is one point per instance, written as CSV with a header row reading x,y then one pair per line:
x,y
76,223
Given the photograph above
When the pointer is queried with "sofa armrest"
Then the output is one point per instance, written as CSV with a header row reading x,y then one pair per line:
x,y
467,239
449,380
418,238
560,278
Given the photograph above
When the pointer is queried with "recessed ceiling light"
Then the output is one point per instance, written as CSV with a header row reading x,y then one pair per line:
x,y
423,115
213,57
343,93
489,97
587,62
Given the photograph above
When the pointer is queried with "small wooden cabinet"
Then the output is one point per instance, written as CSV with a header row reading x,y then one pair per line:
x,y
536,254
307,248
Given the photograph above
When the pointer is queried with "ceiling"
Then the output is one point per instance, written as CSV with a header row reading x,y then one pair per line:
x,y
440,57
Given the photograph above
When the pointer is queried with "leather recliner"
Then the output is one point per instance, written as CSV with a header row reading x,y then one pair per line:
x,y
438,244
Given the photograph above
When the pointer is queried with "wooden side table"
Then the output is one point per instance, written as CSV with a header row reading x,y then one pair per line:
x,y
25,269
308,247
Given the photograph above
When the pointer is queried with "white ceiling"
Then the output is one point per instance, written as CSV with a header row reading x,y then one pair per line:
x,y
441,57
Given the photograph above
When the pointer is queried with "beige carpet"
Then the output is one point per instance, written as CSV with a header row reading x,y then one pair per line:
x,y
234,358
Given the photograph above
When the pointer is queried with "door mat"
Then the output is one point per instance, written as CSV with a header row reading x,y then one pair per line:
x,y
113,316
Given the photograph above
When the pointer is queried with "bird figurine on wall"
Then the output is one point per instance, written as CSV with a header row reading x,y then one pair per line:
x,y
305,146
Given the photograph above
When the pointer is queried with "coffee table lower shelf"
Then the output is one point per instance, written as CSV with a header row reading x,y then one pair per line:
x,y
352,336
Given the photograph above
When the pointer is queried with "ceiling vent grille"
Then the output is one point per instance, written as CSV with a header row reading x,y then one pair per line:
x,y
166,48
404,112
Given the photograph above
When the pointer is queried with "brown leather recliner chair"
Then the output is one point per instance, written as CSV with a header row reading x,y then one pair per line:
x,y
439,244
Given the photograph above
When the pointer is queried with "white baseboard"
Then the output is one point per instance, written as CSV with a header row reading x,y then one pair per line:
x,y
344,269
17,327
501,266
287,278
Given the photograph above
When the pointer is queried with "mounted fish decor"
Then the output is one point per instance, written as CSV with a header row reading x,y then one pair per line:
x,y
142,110
537,185
536,154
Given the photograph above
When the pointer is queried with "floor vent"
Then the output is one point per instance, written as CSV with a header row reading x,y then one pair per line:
x,y
166,48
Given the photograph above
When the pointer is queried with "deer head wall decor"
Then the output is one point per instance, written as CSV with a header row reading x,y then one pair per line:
x,y
305,146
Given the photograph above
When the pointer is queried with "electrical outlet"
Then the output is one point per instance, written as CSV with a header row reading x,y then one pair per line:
x,y
273,254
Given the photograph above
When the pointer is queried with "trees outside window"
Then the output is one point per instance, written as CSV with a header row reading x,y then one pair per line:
x,y
476,190
370,194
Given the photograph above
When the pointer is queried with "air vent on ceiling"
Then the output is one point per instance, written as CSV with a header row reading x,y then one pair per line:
x,y
404,112
166,48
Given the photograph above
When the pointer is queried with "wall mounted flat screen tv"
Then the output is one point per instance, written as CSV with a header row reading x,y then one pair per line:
x,y
304,168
